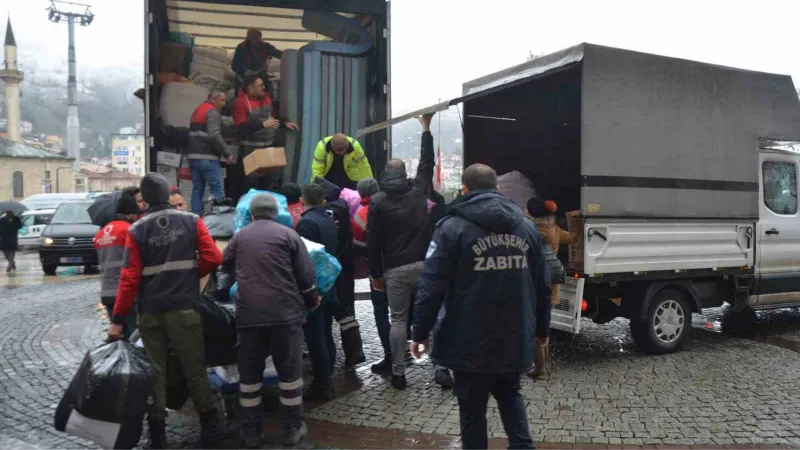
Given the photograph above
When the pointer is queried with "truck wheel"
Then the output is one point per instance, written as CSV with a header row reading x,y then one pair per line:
x,y
667,325
49,269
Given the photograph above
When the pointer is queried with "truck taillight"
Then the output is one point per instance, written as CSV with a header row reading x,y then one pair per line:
x,y
584,305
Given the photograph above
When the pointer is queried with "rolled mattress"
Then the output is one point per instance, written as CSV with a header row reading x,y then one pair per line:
x,y
178,101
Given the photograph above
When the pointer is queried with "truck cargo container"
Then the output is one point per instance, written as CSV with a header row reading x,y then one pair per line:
x,y
685,174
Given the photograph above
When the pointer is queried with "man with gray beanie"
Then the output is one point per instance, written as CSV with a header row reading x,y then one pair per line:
x,y
277,285
166,253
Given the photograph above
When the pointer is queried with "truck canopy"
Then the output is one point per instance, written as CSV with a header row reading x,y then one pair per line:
x,y
618,133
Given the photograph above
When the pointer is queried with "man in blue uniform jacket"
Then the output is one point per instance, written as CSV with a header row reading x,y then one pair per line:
x,y
486,271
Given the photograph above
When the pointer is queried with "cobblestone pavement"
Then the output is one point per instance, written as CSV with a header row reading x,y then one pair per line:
x,y
721,390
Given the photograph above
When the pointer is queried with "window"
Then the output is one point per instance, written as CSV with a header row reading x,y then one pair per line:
x,y
780,187
72,213
47,175
17,190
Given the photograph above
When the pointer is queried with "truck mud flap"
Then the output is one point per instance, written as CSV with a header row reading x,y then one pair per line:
x,y
566,315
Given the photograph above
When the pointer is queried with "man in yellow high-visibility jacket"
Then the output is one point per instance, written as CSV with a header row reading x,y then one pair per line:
x,y
340,160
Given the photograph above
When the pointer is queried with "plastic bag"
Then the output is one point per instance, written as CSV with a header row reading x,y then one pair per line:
x,y
517,187
107,399
352,199
219,332
219,221
243,217
326,266
225,379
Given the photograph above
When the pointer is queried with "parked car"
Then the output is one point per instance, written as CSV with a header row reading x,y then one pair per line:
x,y
33,224
52,201
68,240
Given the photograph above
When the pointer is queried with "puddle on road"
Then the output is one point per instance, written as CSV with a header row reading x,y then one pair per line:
x,y
761,326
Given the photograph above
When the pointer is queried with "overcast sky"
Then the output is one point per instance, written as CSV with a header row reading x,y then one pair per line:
x,y
438,44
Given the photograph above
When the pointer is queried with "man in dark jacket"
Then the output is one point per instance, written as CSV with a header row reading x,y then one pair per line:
x,y
345,284
485,292
9,231
398,234
166,253
252,55
207,148
316,225
277,284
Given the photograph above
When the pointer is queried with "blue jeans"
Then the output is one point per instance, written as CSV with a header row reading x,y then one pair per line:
x,y
205,171
472,391
318,330
380,308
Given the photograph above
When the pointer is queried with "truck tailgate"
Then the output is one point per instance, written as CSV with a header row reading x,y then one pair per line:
x,y
651,246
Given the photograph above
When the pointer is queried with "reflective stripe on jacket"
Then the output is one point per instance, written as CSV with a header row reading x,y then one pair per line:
x,y
356,164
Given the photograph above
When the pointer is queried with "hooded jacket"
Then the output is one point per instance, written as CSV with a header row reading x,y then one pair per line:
x,y
166,253
485,269
398,227
340,213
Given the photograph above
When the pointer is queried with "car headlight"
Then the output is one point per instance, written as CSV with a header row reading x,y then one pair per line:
x,y
47,241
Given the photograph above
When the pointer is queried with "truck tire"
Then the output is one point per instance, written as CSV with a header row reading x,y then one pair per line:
x,y
667,325
49,269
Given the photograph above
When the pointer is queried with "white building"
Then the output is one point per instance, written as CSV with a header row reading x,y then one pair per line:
x,y
127,153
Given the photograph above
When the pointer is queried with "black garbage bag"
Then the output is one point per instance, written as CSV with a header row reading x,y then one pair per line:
x,y
107,399
219,332
177,389
104,208
219,286
219,219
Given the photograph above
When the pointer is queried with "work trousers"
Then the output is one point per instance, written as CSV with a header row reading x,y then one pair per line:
x,y
285,344
181,331
10,256
380,308
318,331
472,391
400,284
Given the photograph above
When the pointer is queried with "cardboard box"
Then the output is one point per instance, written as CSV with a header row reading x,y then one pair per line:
x,y
169,173
168,159
575,225
264,160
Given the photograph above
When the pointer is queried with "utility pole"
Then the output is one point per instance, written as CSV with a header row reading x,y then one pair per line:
x,y
81,13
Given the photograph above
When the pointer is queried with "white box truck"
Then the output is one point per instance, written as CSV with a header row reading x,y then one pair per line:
x,y
685,174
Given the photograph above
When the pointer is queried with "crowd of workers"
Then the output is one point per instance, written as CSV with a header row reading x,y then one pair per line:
x,y
471,275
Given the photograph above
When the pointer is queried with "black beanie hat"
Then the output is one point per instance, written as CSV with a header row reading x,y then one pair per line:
x,y
154,189
127,204
292,192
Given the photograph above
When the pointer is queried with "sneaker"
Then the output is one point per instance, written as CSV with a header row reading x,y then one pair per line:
x,y
539,375
443,378
294,435
251,437
383,367
399,382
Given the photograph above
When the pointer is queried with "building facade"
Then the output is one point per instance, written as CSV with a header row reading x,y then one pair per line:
x,y
127,153
101,178
25,171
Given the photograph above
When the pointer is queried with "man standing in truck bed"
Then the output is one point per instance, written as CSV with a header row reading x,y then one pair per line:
x,y
252,55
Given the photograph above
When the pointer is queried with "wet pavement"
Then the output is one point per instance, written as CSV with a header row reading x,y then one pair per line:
x,y
29,272
723,389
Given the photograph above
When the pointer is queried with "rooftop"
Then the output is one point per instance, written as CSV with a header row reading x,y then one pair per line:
x,y
14,149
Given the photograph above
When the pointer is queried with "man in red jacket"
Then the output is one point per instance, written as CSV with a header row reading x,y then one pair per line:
x,y
166,254
110,245
256,123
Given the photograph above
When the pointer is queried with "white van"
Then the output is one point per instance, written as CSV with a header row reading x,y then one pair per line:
x,y
33,223
52,201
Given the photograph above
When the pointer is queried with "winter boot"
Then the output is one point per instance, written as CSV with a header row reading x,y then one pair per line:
x,y
293,435
540,360
158,433
352,346
213,428
320,392
383,367
252,425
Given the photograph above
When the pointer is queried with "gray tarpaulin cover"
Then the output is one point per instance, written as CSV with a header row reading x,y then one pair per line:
x,y
517,187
